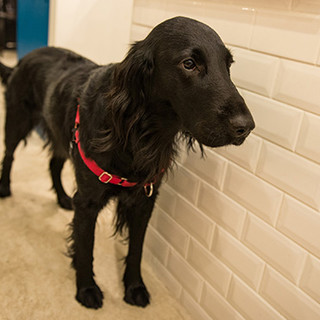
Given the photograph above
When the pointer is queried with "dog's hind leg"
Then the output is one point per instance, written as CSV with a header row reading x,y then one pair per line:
x,y
138,212
17,127
56,165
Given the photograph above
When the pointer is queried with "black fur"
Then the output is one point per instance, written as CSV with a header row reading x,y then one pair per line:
x,y
174,84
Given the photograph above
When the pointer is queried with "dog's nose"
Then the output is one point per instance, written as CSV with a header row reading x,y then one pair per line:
x,y
242,125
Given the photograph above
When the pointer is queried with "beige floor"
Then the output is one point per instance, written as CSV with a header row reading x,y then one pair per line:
x,y
36,281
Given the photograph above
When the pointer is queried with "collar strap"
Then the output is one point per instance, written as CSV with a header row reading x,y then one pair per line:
x,y
104,176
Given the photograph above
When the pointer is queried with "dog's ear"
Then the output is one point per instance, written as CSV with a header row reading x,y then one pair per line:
x,y
131,89
134,72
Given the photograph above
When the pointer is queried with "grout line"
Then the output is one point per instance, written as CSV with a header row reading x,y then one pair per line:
x,y
186,253
258,156
244,227
197,193
258,289
253,24
203,282
275,78
277,217
139,24
303,266
282,190
272,54
213,231
298,132
299,108
228,291
224,174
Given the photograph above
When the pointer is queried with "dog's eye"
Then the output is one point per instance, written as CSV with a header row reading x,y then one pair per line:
x,y
189,64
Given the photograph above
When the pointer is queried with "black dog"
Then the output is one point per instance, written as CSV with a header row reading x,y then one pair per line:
x,y
173,84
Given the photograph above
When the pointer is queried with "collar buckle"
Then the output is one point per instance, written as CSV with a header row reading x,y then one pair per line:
x,y
103,174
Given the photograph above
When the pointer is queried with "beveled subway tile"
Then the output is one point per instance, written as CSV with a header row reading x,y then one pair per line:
x,y
310,6
194,309
308,143
182,178
181,270
157,245
275,121
287,34
209,267
257,4
219,16
245,155
149,14
162,273
300,223
290,301
138,32
194,221
274,248
171,231
211,169
254,71
253,193
167,199
186,8
221,209
291,173
298,84
310,280
247,265
249,303
216,306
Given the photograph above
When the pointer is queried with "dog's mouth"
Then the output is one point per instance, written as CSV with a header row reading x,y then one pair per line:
x,y
218,133
216,140
239,141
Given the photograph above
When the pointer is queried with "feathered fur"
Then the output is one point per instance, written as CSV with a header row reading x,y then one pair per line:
x,y
172,86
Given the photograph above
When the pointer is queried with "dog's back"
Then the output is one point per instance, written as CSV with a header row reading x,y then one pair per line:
x,y
40,90
30,79
39,82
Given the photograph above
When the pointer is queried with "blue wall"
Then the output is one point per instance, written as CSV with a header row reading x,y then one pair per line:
x,y
32,25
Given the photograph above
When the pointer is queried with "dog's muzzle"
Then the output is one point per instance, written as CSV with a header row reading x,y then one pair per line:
x,y
240,127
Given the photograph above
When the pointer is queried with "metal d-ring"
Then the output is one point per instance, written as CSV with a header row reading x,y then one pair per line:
x,y
150,192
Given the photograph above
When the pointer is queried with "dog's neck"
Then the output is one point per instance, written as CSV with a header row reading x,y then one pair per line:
x,y
150,148
154,140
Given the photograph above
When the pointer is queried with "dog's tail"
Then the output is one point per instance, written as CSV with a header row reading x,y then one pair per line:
x,y
5,73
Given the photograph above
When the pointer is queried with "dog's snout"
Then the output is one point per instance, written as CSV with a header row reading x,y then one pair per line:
x,y
242,125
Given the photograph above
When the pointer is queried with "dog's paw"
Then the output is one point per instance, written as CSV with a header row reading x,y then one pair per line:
x,y
91,297
137,295
4,191
65,203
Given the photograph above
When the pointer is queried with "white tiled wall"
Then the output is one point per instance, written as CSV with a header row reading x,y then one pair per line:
x,y
77,25
237,235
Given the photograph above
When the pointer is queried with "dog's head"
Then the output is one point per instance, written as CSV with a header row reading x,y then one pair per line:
x,y
185,64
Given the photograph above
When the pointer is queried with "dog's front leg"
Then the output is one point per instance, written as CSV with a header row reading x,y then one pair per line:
x,y
138,212
81,251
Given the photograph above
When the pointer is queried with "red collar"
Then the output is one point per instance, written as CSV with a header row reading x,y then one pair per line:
x,y
104,176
